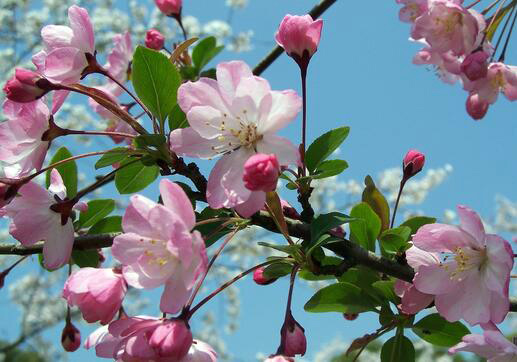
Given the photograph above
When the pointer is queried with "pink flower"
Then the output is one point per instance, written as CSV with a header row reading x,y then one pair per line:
x,y
169,7
412,9
70,338
120,57
63,58
499,78
154,39
279,358
475,65
476,108
200,352
412,300
261,172
235,116
25,86
97,292
448,26
413,163
299,36
492,345
260,278
105,343
21,145
158,247
472,281
447,65
33,220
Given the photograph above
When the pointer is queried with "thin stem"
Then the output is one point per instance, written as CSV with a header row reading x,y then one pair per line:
x,y
8,270
489,7
402,183
290,294
507,41
216,219
99,133
492,20
303,73
474,3
226,285
212,261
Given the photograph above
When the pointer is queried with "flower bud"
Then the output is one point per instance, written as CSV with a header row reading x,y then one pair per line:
x,y
413,163
260,278
279,358
350,316
23,87
154,39
475,65
476,108
299,36
70,338
293,338
169,7
172,339
261,172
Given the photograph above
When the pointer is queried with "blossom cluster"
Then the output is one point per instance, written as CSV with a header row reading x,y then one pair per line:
x,y
456,43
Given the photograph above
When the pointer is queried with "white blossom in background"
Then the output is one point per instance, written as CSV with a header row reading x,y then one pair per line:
x,y
218,28
241,42
237,4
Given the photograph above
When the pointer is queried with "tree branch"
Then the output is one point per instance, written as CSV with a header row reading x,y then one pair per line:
x,y
278,50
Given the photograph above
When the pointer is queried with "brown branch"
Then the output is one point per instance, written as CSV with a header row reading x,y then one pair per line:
x,y
316,12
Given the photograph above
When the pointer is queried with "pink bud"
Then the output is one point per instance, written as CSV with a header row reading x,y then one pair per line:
x,y
299,36
350,316
413,163
476,108
70,338
260,278
475,65
261,172
23,87
293,338
289,211
279,358
154,39
172,339
169,7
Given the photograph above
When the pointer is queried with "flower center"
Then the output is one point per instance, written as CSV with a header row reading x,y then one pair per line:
x,y
242,133
448,24
464,260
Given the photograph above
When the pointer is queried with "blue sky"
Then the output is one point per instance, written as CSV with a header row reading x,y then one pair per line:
x,y
362,77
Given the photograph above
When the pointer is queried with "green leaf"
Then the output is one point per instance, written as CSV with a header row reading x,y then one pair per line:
x,y
364,278
110,224
68,171
135,177
325,222
366,226
436,330
212,232
342,298
277,270
385,287
205,51
150,140
495,24
417,222
322,240
115,155
289,249
323,147
156,81
177,119
373,197
396,239
86,258
330,168
397,349
97,209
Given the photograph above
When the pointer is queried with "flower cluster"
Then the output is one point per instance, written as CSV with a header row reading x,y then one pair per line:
x,y
456,43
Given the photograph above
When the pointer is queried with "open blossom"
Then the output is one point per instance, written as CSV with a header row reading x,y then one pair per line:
x,y
500,78
412,9
472,281
236,117
448,26
492,345
97,292
63,58
33,220
412,300
21,144
158,247
120,57
25,86
299,34
447,65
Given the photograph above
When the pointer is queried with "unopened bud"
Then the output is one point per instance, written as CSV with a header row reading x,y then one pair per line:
x,y
25,86
475,65
154,39
169,7
293,338
350,316
260,278
413,163
261,172
476,108
70,338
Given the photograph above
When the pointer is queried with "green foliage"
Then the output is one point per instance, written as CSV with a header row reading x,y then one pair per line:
x,y
385,287
395,240
17,354
365,227
177,118
277,270
329,168
118,154
68,171
204,52
417,222
97,209
341,297
85,258
213,231
397,349
135,176
373,197
110,224
156,81
323,147
326,222
150,141
438,331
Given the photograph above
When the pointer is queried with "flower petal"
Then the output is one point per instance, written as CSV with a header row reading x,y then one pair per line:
x,y
285,151
175,199
442,238
471,223
187,142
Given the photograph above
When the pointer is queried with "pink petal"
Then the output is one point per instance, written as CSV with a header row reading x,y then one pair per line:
x,y
136,218
433,279
58,245
56,36
65,64
57,185
254,203
471,223
58,99
82,28
229,75
277,110
285,151
442,238
417,257
206,121
175,199
204,92
413,301
187,142
174,296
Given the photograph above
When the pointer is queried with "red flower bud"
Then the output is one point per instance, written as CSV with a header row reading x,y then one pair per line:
x,y
261,172
70,338
476,108
169,7
23,87
260,278
475,65
293,338
413,163
350,316
154,39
